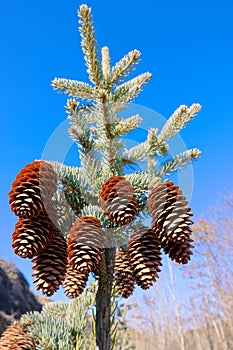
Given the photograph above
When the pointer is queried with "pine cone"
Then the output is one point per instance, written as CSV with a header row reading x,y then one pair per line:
x,y
32,189
85,244
170,215
32,236
144,256
118,200
180,252
123,274
14,338
50,266
75,282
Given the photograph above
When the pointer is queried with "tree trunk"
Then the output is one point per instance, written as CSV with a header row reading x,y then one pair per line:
x,y
103,301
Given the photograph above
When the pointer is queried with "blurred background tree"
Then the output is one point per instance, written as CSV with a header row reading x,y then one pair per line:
x,y
198,315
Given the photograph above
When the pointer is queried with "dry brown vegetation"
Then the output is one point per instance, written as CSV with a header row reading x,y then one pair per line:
x,y
191,308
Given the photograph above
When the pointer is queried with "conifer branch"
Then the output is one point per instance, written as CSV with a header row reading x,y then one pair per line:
x,y
179,161
67,213
143,180
89,45
107,141
96,211
126,125
92,171
151,161
109,137
80,130
82,134
60,325
78,181
178,121
88,110
74,88
128,91
152,140
136,153
144,149
67,174
138,180
124,67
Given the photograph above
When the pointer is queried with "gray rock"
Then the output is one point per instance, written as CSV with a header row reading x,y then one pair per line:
x,y
15,295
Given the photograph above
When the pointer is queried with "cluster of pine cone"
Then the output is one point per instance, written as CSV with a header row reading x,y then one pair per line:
x,y
56,261
170,230
36,235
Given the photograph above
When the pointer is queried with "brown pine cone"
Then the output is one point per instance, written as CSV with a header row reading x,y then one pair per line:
x,y
123,274
32,236
181,252
75,282
14,338
50,266
118,200
32,189
170,214
85,244
144,256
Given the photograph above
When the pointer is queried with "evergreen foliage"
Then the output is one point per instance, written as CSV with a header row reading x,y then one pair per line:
x,y
62,325
70,325
98,129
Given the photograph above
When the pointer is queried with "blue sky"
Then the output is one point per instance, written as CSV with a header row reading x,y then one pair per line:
x,y
187,46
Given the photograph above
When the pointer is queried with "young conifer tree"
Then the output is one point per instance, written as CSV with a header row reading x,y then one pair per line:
x,y
77,222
